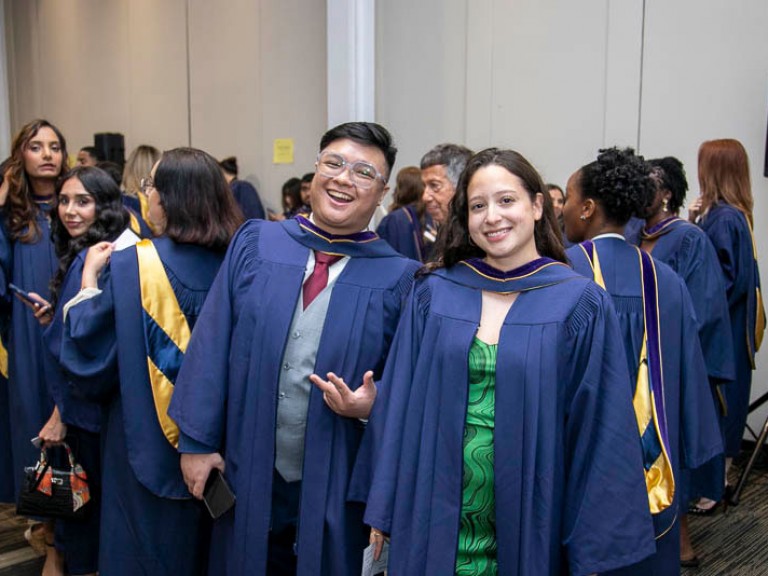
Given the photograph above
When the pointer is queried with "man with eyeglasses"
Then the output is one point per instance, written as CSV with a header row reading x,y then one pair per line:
x,y
279,374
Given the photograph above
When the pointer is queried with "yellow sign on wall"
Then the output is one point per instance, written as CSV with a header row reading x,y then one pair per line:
x,y
282,151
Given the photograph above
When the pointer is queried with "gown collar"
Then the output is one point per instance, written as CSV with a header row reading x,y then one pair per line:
x,y
360,244
476,273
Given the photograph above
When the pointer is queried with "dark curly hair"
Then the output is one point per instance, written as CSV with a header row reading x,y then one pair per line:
x,y
20,208
619,180
670,175
454,244
111,219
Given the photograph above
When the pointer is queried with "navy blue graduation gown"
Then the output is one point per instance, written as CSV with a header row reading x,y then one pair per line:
x,y
694,435
31,267
133,206
728,230
685,248
7,476
149,523
570,497
634,229
402,230
73,407
248,199
226,392
79,539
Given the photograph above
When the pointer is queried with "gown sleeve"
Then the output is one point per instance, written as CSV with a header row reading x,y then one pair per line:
x,y
606,520
89,344
733,246
376,470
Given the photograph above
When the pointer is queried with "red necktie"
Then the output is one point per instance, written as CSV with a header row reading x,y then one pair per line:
x,y
319,277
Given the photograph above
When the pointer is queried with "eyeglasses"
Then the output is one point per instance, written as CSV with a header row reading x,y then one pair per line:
x,y
362,174
145,184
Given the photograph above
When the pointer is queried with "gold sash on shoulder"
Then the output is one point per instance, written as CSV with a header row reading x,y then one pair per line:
x,y
166,333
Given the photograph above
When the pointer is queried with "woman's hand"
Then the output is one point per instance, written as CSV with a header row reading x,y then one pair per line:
x,y
41,308
95,261
694,210
54,431
342,400
4,186
377,539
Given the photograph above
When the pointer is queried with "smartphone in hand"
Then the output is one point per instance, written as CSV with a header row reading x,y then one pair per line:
x,y
24,295
218,496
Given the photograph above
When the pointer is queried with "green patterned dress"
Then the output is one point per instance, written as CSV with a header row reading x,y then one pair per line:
x,y
476,553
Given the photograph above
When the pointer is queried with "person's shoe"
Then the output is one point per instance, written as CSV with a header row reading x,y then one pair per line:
x,y
692,562
697,510
35,535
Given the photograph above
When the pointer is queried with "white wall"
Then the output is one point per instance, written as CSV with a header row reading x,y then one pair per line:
x,y
557,80
228,77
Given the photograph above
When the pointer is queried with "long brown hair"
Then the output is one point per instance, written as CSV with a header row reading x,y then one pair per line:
x,y
454,242
724,175
20,208
198,202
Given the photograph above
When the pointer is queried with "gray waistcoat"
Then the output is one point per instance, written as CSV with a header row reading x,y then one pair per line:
x,y
294,385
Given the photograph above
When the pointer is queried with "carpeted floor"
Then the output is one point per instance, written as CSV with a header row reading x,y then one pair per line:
x,y
734,543
16,556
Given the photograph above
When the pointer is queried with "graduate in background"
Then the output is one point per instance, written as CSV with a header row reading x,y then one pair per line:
x,y
674,412
88,209
503,440
404,227
724,212
295,300
7,473
124,337
686,249
38,158
137,167
244,192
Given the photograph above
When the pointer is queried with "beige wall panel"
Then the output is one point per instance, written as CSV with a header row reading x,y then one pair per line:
x,y
92,66
706,76
258,73
421,73
24,96
548,96
294,86
156,70
225,66
83,50
623,73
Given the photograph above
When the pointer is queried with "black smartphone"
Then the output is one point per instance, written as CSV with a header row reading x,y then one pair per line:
x,y
218,496
23,294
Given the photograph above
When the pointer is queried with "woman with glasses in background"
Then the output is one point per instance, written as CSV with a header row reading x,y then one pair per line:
x,y
140,162
123,341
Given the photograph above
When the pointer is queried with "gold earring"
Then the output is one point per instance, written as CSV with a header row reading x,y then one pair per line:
x,y
665,205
